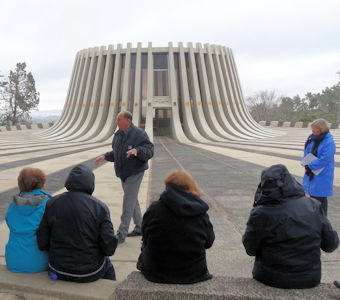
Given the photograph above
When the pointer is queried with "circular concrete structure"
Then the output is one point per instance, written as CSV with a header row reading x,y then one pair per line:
x,y
189,93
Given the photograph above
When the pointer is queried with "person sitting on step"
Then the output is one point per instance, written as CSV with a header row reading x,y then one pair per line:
x,y
23,218
176,230
285,232
77,231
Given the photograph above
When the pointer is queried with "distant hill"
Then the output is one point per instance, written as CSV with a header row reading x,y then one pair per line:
x,y
45,116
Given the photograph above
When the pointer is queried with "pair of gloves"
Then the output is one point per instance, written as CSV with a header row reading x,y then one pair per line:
x,y
309,172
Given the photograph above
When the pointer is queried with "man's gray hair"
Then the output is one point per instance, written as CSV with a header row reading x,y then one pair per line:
x,y
127,115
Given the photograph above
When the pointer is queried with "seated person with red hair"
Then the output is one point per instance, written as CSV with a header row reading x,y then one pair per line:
x,y
23,218
176,231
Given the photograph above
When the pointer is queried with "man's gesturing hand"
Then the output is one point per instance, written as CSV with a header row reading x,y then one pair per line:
x,y
131,152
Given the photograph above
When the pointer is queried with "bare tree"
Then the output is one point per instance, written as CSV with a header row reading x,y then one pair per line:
x,y
263,105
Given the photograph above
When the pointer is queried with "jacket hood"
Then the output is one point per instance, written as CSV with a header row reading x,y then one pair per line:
x,y
80,179
25,199
182,203
277,184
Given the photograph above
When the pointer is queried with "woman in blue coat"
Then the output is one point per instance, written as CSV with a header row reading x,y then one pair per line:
x,y
319,175
23,218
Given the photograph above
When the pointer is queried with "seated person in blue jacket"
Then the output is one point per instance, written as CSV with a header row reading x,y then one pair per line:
x,y
285,232
77,232
176,231
23,218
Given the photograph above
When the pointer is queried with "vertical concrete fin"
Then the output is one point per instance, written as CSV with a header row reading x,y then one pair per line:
x,y
137,100
68,97
206,97
234,127
94,100
78,96
199,86
176,127
190,128
126,79
70,103
239,94
197,110
149,109
216,97
103,97
85,103
110,122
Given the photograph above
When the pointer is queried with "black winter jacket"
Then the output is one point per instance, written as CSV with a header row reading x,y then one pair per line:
x,y
123,141
176,231
76,228
285,232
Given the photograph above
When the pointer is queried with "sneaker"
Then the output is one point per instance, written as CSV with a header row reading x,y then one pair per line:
x,y
134,233
120,238
337,284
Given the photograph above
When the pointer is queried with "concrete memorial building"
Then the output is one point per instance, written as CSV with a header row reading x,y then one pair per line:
x,y
188,93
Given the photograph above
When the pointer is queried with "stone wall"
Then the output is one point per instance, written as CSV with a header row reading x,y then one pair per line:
x,y
25,127
294,124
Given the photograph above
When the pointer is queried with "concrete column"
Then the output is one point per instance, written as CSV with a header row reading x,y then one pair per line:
x,y
216,97
190,128
238,91
82,98
231,97
103,97
126,79
211,104
206,97
176,127
240,98
76,105
110,122
236,101
137,101
70,103
149,95
86,99
234,128
200,120
94,99
68,98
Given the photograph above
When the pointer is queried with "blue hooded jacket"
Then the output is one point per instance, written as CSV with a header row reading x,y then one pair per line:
x,y
23,218
321,185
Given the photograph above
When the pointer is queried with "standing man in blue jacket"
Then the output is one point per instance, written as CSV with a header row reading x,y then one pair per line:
x,y
131,150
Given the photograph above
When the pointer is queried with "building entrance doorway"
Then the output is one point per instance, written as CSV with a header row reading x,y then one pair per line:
x,y
162,122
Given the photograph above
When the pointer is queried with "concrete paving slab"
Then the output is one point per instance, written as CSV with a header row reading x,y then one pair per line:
x,y
227,173
40,286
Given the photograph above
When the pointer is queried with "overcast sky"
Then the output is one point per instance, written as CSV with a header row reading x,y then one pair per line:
x,y
291,46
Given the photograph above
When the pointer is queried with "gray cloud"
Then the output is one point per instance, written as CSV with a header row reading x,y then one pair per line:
x,y
290,46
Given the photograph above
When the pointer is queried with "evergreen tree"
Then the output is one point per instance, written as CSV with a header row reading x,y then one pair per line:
x,y
18,96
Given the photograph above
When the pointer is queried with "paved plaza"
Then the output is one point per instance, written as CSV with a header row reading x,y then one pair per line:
x,y
227,173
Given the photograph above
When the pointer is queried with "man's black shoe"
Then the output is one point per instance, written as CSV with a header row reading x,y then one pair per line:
x,y
134,233
337,284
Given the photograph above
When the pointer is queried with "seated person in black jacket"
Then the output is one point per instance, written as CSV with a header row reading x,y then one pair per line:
x,y
176,231
285,232
77,232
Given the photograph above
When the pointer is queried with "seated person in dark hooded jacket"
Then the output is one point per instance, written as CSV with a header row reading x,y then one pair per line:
x,y
285,232
176,231
77,232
